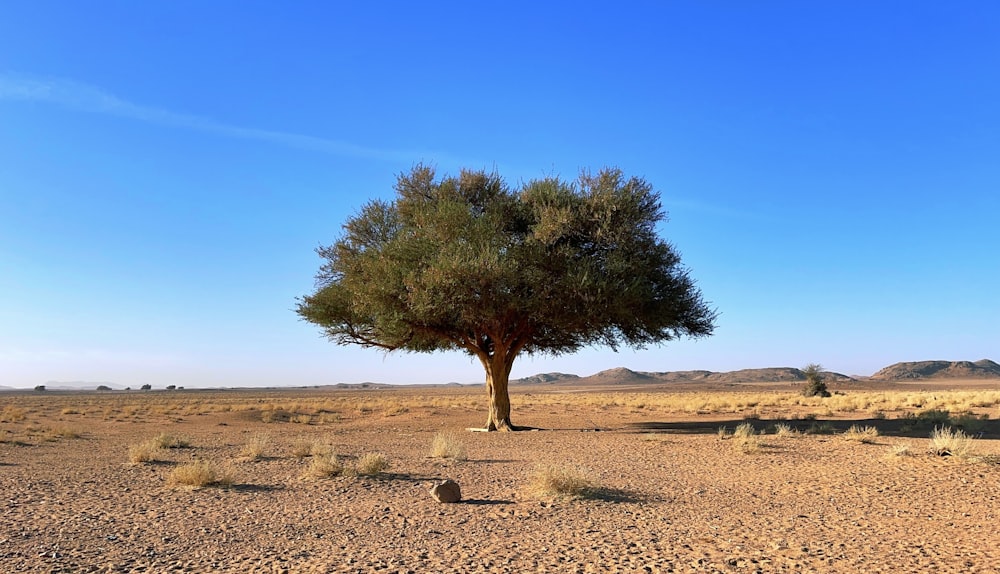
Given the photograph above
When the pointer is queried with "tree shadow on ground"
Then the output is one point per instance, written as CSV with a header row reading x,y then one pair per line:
x,y
910,427
606,494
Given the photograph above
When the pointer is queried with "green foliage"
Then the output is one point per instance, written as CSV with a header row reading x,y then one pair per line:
x,y
467,263
815,386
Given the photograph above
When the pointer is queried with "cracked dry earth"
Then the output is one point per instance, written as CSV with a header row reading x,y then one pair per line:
x,y
669,499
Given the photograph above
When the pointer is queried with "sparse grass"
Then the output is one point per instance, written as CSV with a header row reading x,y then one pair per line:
x,y
256,446
447,445
865,435
64,432
782,429
11,414
820,428
371,464
199,474
946,441
969,422
561,481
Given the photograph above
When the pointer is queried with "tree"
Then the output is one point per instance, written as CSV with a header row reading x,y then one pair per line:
x,y
815,386
146,387
467,263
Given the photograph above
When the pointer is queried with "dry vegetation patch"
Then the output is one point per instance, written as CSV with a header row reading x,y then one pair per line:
x,y
561,481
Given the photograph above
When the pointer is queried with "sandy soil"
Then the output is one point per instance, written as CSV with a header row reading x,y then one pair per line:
x,y
672,496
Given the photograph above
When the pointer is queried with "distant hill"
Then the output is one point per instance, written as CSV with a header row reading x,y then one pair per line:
x,y
623,376
939,370
546,378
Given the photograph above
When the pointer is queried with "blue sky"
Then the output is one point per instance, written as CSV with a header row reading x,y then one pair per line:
x,y
831,172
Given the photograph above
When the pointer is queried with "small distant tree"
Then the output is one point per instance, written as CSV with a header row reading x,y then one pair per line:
x,y
467,263
103,388
171,387
815,385
145,387
40,388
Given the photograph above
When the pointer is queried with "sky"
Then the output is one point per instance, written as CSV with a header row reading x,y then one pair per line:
x,y
831,171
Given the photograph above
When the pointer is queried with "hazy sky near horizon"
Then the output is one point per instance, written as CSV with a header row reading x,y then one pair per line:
x,y
831,172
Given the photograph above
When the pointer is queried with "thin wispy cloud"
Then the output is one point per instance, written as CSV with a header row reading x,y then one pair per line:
x,y
91,99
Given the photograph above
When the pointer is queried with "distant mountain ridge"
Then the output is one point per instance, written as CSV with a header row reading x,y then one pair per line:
x,y
939,370
982,369
623,376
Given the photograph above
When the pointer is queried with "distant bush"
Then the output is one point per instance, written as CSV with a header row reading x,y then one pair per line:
x,y
40,388
815,386
103,388
146,387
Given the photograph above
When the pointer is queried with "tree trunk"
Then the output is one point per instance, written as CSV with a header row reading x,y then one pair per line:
x,y
497,375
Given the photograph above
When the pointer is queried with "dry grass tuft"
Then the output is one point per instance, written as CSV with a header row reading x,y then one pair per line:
x,y
746,439
199,474
142,452
864,435
782,429
561,481
323,467
371,464
164,440
255,447
447,445
946,441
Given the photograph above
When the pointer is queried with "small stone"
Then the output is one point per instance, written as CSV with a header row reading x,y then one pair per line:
x,y
446,491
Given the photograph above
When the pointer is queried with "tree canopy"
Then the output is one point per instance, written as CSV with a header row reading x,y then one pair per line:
x,y
470,263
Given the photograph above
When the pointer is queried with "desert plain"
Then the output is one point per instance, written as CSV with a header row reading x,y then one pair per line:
x,y
651,478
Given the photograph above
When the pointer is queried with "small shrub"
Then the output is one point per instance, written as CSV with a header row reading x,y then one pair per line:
x,y
323,467
447,445
864,435
946,441
561,481
254,448
198,474
164,440
722,433
303,419
371,464
302,449
142,452
746,439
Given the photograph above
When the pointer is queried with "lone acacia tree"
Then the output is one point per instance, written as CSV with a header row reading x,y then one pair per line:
x,y
469,263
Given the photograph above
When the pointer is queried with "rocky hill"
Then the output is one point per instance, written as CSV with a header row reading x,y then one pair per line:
x,y
939,370
623,376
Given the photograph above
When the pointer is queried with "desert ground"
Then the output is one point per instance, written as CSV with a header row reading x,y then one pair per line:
x,y
636,479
